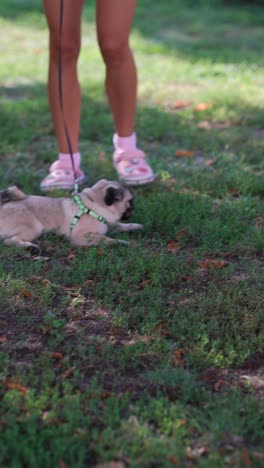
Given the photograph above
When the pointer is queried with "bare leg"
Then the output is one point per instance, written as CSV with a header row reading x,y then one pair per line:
x,y
114,20
71,40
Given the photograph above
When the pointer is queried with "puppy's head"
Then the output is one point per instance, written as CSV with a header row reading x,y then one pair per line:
x,y
111,198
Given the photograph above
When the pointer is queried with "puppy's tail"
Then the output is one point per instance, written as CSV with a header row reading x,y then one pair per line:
x,y
13,193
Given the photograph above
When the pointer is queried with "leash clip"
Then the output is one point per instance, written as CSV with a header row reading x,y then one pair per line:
x,y
75,187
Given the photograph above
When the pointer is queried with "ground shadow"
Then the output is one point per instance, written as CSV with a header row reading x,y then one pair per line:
x,y
218,31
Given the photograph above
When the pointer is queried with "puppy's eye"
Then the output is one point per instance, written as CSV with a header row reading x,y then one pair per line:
x,y
113,195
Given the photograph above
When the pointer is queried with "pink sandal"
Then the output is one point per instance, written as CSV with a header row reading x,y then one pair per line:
x,y
132,167
61,177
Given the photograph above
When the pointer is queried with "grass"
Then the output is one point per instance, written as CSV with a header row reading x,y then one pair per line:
x,y
148,355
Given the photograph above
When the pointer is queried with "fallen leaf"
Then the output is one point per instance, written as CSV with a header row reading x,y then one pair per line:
x,y
173,459
171,303
110,465
184,153
102,156
202,106
46,283
204,125
190,260
208,263
234,191
181,233
15,385
67,373
209,162
245,457
54,355
181,422
41,259
144,284
88,282
27,294
72,255
177,358
177,105
100,252
162,329
196,452
259,223
173,246
62,464
184,278
219,385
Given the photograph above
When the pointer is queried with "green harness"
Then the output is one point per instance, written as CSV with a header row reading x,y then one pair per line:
x,y
82,211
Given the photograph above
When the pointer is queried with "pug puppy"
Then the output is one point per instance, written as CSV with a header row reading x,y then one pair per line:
x,y
23,218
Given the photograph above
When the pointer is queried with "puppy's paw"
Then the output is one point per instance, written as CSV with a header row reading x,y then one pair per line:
x,y
123,242
136,227
33,249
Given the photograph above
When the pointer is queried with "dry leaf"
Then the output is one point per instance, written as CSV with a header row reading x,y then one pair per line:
x,y
204,125
72,255
196,452
15,385
181,233
209,162
180,105
245,457
100,252
54,355
67,373
41,259
234,191
102,156
112,464
62,464
185,278
219,385
144,284
162,329
173,459
259,223
184,153
208,263
26,294
88,282
177,359
173,246
46,283
202,106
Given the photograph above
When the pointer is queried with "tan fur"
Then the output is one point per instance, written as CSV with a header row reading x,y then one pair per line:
x,y
24,218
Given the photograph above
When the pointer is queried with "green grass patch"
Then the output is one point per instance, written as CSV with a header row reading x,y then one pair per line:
x,y
148,354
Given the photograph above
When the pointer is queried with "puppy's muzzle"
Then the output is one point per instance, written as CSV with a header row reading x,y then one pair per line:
x,y
128,212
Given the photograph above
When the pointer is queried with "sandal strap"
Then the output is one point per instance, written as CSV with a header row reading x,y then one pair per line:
x,y
134,157
62,166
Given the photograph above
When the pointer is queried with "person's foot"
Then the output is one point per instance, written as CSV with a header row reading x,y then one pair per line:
x,y
130,162
132,167
61,174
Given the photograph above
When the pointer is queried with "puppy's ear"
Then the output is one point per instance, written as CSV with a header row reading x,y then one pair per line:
x,y
12,194
5,196
113,194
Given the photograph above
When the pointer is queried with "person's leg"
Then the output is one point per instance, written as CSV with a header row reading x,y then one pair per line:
x,y
114,20
70,42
